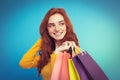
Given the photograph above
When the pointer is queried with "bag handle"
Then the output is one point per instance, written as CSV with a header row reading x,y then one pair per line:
x,y
73,51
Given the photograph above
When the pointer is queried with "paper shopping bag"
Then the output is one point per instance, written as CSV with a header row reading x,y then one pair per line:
x,y
84,75
72,71
57,67
64,75
87,68
60,69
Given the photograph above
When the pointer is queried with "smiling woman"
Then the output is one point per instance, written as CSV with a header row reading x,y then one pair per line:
x,y
57,35
56,26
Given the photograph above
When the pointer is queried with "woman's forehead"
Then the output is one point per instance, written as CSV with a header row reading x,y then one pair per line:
x,y
56,18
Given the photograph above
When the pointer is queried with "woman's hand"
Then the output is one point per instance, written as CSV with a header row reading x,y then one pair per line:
x,y
65,46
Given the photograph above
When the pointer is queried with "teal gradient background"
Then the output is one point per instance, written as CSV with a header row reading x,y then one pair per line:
x,y
96,23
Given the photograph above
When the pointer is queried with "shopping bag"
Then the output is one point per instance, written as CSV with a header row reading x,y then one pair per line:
x,y
57,67
87,68
72,71
60,69
64,75
84,75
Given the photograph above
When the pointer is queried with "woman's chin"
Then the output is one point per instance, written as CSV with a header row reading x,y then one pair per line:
x,y
58,39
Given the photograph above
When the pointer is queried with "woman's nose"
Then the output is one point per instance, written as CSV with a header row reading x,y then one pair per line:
x,y
57,28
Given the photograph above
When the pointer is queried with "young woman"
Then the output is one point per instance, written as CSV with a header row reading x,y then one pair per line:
x,y
57,35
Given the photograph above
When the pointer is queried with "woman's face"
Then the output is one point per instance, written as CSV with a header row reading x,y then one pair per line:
x,y
56,26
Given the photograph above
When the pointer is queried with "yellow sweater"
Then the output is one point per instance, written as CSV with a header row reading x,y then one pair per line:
x,y
31,58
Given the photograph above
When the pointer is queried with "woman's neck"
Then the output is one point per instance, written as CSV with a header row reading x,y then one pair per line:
x,y
57,43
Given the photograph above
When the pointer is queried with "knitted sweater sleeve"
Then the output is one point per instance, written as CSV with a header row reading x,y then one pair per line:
x,y
30,58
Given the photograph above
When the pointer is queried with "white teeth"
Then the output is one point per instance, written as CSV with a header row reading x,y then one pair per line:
x,y
58,34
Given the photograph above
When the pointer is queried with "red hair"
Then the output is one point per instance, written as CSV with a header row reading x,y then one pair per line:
x,y
48,44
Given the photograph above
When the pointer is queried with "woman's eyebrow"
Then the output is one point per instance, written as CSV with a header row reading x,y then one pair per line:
x,y
50,23
58,22
61,21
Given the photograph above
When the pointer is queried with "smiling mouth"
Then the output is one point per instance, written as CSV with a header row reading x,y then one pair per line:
x,y
58,34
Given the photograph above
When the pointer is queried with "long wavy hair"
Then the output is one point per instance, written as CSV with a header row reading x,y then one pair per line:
x,y
48,43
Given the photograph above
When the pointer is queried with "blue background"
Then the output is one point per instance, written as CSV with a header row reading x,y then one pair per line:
x,y
96,23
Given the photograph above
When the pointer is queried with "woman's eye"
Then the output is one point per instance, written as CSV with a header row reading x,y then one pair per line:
x,y
61,24
51,25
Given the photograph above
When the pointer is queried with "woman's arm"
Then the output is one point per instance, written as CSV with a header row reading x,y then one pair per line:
x,y
30,59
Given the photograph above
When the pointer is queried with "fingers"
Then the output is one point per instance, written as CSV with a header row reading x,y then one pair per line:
x,y
66,45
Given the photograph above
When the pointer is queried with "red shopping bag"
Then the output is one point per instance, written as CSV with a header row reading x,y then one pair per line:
x,y
65,71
